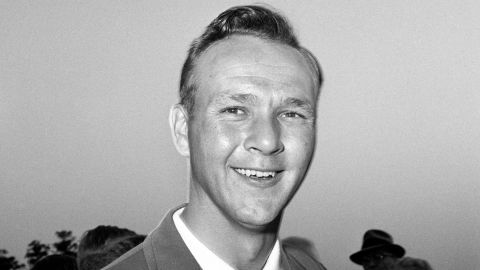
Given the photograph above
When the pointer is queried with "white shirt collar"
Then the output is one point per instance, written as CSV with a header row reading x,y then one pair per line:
x,y
208,260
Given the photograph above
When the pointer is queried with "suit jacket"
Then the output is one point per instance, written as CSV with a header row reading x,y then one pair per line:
x,y
164,249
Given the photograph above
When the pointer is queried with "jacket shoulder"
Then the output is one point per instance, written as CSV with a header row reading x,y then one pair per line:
x,y
134,259
300,257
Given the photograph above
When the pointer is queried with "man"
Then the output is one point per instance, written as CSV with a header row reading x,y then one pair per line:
x,y
380,253
246,123
100,246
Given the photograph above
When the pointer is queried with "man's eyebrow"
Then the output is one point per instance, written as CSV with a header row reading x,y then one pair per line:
x,y
296,102
241,98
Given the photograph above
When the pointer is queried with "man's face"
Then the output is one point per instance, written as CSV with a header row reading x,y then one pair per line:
x,y
252,131
379,261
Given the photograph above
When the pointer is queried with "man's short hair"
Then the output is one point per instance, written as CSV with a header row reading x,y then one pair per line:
x,y
252,20
100,246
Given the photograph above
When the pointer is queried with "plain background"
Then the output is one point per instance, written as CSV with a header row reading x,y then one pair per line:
x,y
86,87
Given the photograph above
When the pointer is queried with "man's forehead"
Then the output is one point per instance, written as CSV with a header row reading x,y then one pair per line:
x,y
243,47
239,51
245,56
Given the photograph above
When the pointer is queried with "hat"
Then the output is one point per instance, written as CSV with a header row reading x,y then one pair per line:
x,y
377,240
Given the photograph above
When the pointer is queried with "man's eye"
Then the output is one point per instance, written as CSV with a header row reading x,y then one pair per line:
x,y
293,115
233,110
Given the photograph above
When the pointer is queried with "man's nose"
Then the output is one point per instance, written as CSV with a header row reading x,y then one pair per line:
x,y
265,137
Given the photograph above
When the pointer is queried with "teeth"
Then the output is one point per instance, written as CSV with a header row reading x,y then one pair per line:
x,y
249,173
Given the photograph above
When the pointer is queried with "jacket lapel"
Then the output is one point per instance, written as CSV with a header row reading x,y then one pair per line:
x,y
165,249
288,262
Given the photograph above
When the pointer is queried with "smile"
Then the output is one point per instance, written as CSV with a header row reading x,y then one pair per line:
x,y
256,174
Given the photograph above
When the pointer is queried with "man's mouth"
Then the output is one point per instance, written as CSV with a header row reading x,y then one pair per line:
x,y
256,174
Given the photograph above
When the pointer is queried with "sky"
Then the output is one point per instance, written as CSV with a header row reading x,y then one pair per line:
x,y
86,88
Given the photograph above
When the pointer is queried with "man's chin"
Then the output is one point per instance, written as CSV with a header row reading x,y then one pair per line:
x,y
261,223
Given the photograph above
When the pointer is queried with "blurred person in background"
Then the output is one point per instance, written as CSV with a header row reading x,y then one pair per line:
x,y
100,246
56,262
409,263
379,252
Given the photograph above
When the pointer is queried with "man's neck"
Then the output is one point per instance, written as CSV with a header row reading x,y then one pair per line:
x,y
238,245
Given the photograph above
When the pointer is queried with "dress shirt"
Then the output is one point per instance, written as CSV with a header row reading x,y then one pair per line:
x,y
209,260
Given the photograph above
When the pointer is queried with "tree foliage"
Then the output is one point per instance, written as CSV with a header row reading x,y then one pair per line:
x,y
9,262
35,251
66,245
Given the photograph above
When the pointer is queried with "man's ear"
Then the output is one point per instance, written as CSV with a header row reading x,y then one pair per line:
x,y
179,128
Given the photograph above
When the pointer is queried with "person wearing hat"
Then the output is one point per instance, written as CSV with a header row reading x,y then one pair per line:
x,y
378,251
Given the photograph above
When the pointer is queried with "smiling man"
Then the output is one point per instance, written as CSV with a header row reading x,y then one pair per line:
x,y
246,123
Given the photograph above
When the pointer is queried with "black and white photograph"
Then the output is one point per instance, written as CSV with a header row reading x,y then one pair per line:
x,y
239,135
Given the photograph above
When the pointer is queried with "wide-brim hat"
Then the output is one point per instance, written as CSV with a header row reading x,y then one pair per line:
x,y
374,240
